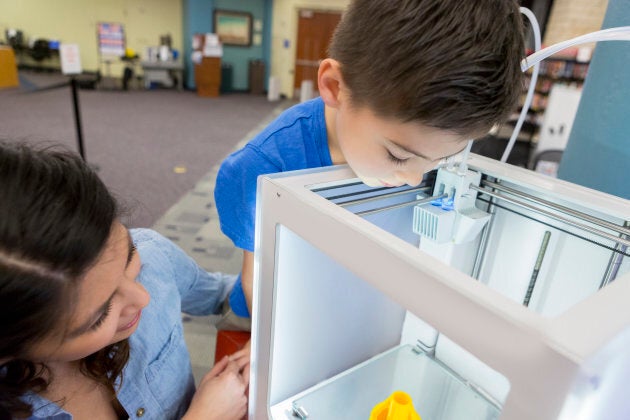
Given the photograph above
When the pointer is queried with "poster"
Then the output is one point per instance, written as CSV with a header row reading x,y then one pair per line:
x,y
111,39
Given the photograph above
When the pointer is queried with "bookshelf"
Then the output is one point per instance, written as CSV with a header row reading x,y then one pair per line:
x,y
568,72
555,70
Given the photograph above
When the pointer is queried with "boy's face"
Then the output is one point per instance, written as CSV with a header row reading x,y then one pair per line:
x,y
387,152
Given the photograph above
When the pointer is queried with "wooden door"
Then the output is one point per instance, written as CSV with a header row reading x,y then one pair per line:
x,y
315,28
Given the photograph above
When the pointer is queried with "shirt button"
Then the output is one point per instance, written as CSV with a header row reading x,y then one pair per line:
x,y
140,412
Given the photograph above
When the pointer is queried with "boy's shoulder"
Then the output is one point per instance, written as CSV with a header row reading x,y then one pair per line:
x,y
296,139
298,121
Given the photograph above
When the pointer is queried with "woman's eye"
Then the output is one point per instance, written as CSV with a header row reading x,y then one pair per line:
x,y
396,160
102,318
132,253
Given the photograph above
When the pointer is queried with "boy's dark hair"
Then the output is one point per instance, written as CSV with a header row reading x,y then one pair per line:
x,y
449,64
56,217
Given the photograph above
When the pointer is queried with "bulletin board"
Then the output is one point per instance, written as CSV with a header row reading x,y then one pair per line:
x,y
111,39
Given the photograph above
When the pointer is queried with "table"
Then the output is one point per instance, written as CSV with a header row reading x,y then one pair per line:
x,y
163,72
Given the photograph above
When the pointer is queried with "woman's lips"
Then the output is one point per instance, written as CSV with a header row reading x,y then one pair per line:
x,y
133,322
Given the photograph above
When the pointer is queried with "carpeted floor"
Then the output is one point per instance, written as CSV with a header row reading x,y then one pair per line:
x,y
151,146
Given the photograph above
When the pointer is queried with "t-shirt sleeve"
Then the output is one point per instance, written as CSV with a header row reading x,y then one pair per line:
x,y
235,194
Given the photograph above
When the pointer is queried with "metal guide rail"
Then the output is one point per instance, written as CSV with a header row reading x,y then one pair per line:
x,y
497,192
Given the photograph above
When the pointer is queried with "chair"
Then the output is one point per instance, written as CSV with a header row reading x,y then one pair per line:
x,y
40,50
229,342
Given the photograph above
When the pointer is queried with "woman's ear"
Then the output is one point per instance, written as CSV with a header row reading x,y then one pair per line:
x,y
330,82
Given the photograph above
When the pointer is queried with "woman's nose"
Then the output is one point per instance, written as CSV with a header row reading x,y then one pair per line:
x,y
136,297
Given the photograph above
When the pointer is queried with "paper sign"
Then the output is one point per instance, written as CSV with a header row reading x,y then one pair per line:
x,y
70,59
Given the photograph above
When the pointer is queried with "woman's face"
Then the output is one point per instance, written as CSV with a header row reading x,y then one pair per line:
x,y
108,308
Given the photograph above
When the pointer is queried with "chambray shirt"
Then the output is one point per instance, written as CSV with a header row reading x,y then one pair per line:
x,y
158,381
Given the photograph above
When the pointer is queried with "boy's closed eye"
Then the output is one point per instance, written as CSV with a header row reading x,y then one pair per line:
x,y
395,159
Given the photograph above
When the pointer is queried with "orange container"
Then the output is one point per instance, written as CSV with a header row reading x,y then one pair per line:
x,y
8,68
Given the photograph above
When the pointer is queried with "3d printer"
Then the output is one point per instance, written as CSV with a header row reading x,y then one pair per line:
x,y
487,292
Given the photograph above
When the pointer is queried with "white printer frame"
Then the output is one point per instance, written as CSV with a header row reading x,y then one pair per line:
x,y
301,341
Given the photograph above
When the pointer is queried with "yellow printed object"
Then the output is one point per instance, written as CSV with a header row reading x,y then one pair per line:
x,y
397,406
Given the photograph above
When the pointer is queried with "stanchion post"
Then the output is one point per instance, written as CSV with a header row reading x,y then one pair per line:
x,y
77,117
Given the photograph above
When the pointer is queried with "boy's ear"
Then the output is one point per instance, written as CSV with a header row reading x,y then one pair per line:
x,y
329,82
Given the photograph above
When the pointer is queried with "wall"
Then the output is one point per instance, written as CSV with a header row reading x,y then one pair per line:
x,y
597,154
570,18
284,33
239,57
199,18
74,21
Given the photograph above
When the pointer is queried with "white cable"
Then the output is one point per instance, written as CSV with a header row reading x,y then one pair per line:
x,y
532,83
463,165
621,33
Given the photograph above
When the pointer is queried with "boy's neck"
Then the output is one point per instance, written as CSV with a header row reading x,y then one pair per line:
x,y
333,144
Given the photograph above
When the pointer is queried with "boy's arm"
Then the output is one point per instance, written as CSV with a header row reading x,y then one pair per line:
x,y
247,278
201,292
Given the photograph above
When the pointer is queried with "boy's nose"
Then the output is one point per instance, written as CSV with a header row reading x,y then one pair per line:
x,y
410,178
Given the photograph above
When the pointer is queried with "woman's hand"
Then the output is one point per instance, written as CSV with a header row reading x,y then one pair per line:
x,y
221,393
243,356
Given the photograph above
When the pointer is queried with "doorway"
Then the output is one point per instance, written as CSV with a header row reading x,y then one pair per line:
x,y
315,29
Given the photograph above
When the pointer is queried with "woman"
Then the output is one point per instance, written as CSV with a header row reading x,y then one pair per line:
x,y
90,312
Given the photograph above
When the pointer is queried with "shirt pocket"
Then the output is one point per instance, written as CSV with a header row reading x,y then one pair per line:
x,y
170,375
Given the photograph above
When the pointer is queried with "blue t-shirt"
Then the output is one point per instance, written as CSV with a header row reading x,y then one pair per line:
x,y
295,140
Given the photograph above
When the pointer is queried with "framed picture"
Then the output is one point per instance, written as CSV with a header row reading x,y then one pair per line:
x,y
233,28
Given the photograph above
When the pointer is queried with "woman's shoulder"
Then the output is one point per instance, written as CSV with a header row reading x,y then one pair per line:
x,y
155,247
143,235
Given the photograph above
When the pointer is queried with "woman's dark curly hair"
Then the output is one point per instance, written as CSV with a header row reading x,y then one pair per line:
x,y
56,216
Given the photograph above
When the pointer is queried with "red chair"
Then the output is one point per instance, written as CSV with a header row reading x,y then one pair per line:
x,y
229,342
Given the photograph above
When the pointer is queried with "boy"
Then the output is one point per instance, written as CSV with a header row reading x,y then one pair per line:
x,y
407,83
